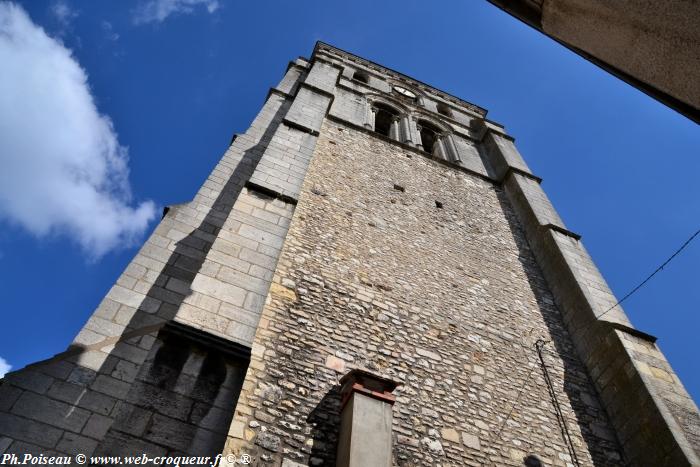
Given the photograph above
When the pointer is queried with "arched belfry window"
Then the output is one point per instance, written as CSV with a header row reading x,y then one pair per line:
x,y
429,134
436,141
361,76
386,120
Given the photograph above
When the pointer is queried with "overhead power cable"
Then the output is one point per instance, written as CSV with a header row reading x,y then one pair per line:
x,y
540,347
656,271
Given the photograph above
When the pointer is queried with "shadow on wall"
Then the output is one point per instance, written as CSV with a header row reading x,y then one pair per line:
x,y
588,414
183,400
325,420
178,421
172,394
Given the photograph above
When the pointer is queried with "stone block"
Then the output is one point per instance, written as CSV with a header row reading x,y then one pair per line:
x,y
30,380
335,363
4,444
30,431
170,404
96,402
110,386
125,296
290,463
97,426
82,376
450,434
73,444
129,418
169,432
236,430
471,441
268,441
221,290
128,352
50,412
8,395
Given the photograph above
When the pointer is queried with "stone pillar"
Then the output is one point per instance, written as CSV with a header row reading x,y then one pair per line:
x,y
292,77
439,148
395,131
419,140
450,147
369,117
405,127
365,426
415,134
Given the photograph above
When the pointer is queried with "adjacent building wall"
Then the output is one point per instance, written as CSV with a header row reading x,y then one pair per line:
x,y
654,46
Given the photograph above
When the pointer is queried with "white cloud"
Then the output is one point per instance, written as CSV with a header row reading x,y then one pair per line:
x,y
159,10
4,367
109,31
63,13
63,170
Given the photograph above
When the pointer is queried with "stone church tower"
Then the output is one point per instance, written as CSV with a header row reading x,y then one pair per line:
x,y
371,276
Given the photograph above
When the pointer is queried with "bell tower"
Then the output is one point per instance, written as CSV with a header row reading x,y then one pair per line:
x,y
371,275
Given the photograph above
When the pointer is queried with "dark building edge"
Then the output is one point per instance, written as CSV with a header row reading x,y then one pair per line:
x,y
529,14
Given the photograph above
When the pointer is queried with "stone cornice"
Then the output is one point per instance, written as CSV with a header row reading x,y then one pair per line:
x,y
317,90
514,170
322,46
317,58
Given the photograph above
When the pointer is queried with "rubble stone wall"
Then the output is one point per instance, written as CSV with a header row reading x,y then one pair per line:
x,y
449,301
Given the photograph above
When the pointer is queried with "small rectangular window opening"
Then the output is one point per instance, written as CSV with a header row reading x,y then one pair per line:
x,y
361,77
399,188
438,204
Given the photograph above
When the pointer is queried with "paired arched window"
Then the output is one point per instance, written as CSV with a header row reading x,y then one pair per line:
x,y
432,137
385,119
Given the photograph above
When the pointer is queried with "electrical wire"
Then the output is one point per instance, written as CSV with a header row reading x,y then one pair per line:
x,y
656,271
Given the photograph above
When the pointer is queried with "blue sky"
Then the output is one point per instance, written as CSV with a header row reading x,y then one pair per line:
x,y
111,110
